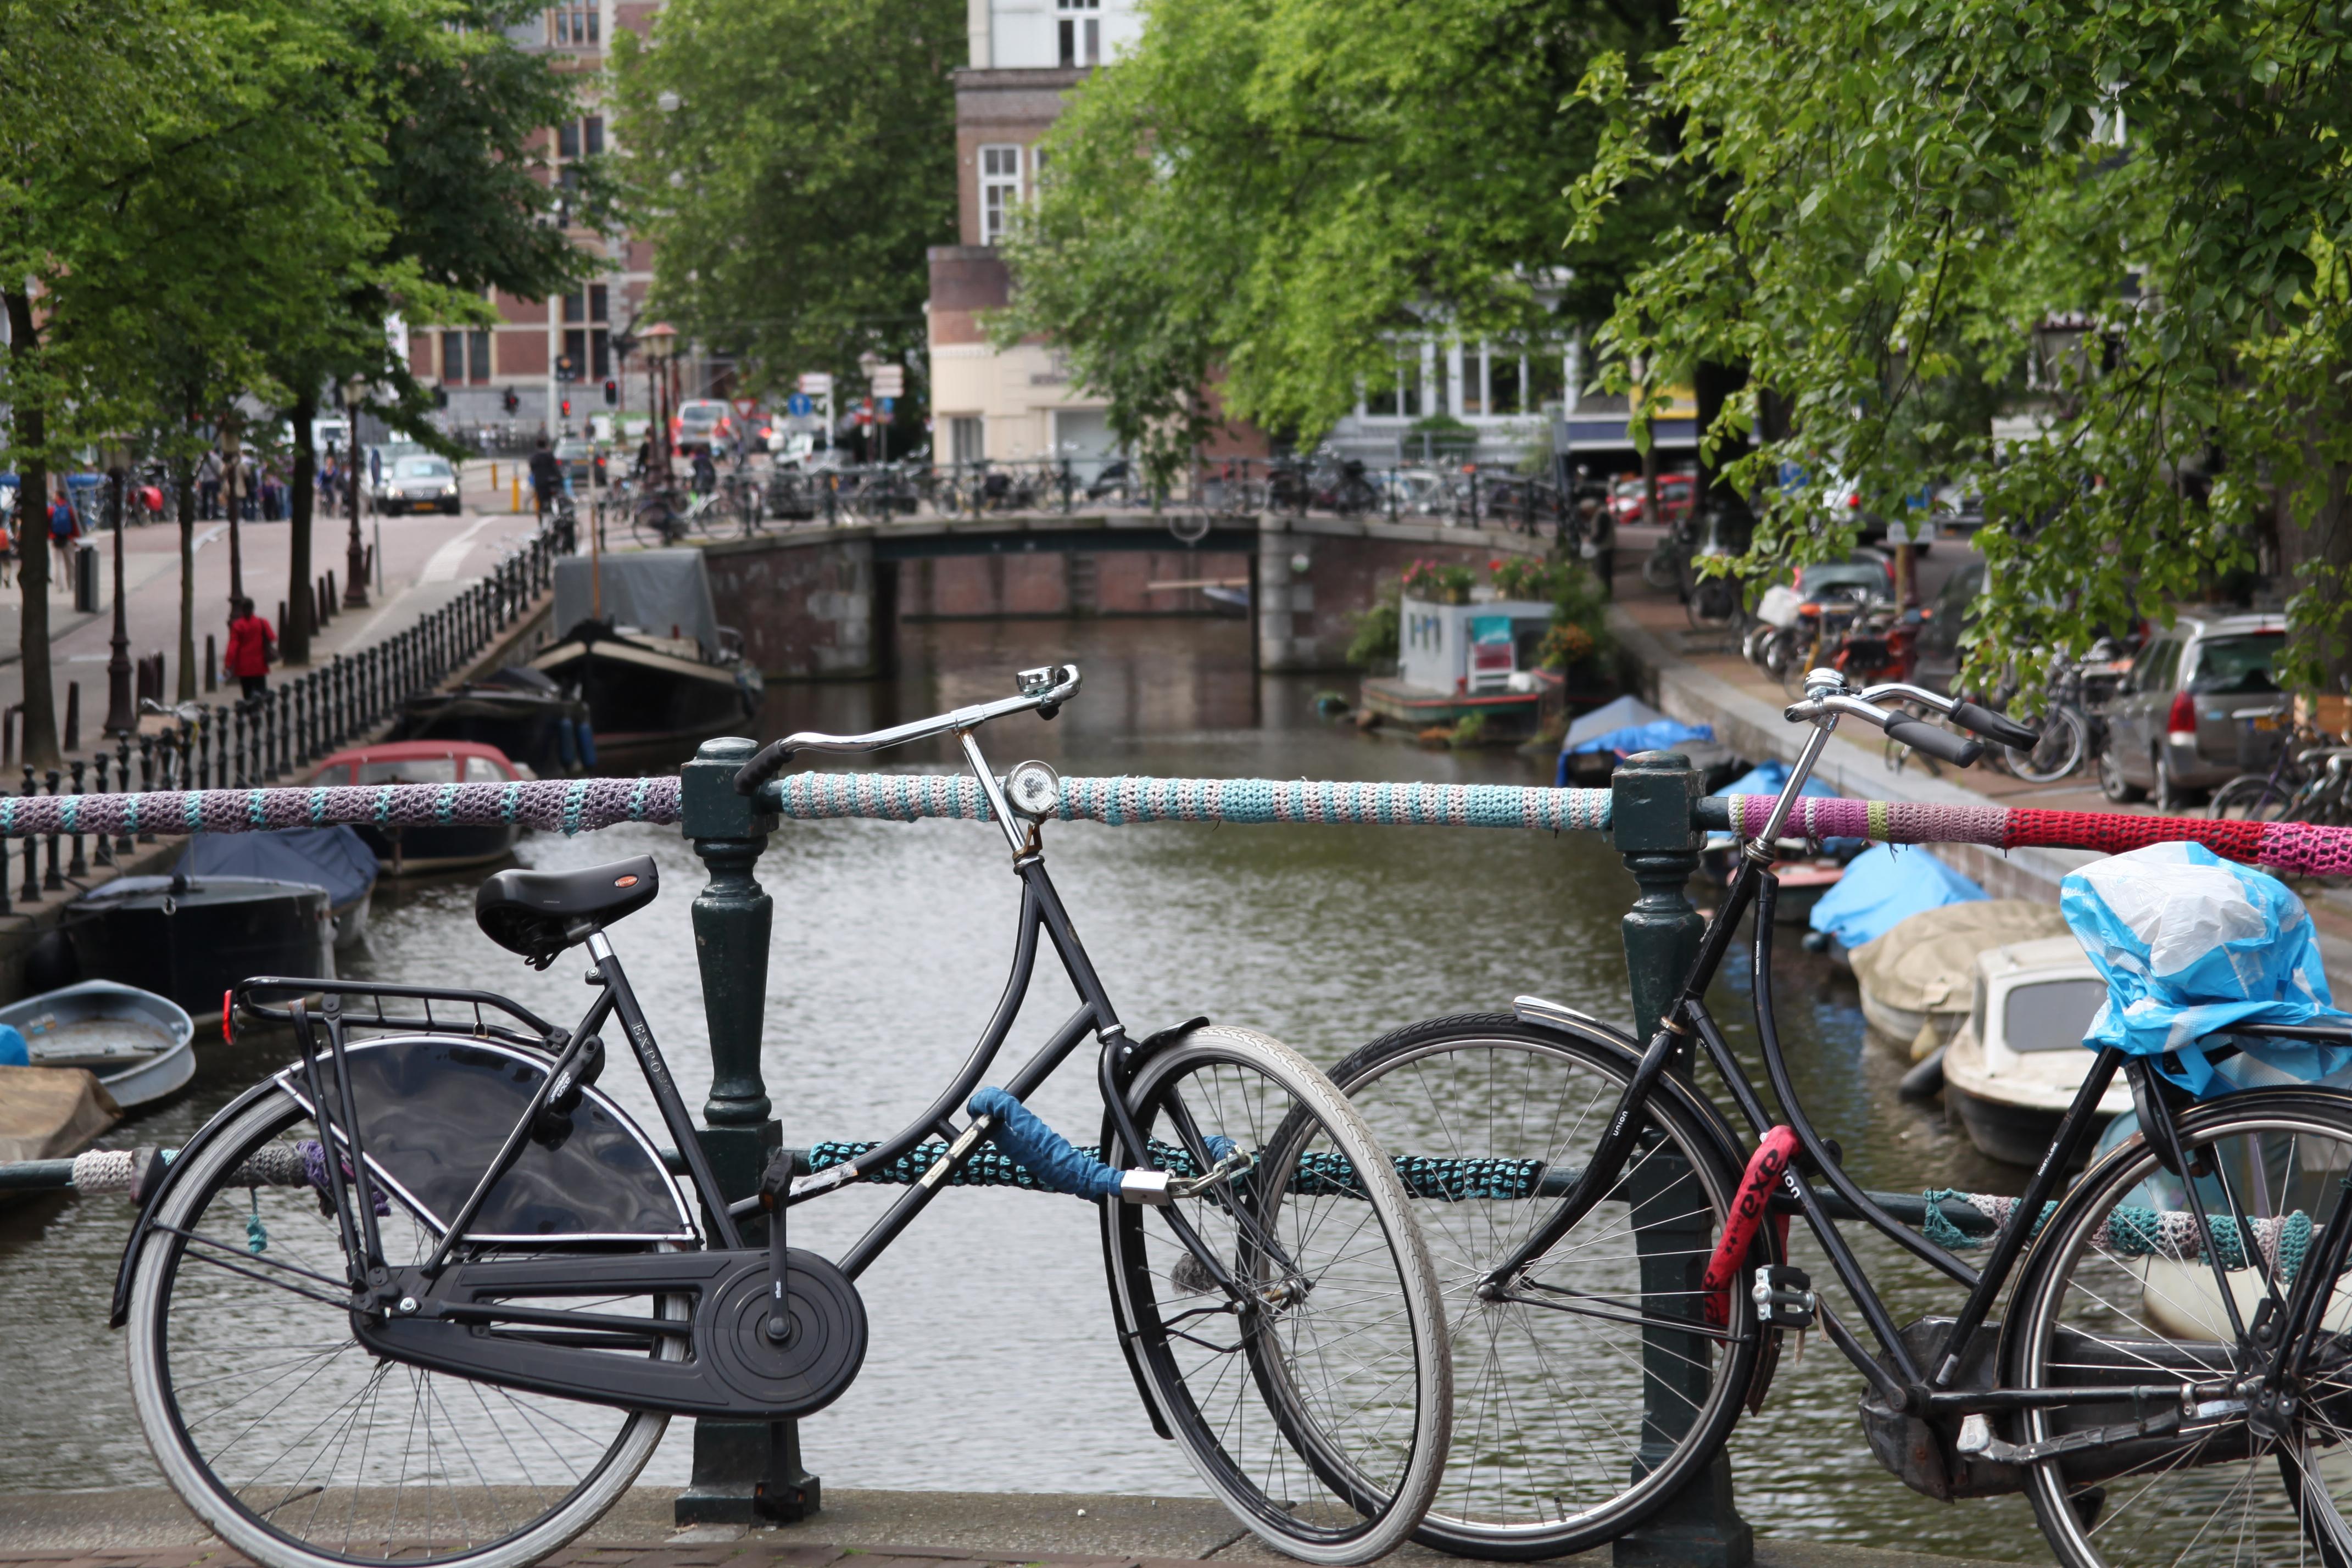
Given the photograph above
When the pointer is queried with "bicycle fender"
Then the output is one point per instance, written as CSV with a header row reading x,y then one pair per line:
x,y
119,1312
1110,1216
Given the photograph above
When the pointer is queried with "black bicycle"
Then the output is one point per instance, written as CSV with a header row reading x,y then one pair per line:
x,y
2172,1382
427,1295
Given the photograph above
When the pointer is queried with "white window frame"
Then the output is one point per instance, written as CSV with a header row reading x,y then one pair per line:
x,y
1000,188
1080,31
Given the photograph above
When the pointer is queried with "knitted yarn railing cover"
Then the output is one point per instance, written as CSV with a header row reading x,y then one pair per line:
x,y
582,805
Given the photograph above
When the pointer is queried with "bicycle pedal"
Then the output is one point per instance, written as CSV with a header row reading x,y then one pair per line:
x,y
1784,1298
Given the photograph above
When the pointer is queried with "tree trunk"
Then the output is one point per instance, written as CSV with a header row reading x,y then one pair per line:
x,y
1712,386
294,637
31,430
185,472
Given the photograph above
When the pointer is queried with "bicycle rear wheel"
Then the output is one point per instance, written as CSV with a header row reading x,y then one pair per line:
x,y
2064,743
300,1447
1558,1412
2111,1293
2252,797
1310,1386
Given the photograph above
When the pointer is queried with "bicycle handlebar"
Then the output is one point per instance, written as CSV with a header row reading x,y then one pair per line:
x,y
1995,727
1906,731
1044,689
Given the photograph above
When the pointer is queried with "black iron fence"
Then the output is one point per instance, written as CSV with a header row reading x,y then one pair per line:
x,y
279,733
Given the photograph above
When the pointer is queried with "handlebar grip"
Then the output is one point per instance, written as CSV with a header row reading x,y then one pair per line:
x,y
1942,743
1995,727
770,761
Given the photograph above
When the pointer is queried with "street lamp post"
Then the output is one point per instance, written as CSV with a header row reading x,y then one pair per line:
x,y
356,573
121,715
661,341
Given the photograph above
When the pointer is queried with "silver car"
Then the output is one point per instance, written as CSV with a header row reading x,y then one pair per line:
x,y
421,483
2199,707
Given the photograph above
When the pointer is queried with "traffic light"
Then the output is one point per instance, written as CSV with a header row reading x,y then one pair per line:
x,y
567,408
512,401
440,397
612,394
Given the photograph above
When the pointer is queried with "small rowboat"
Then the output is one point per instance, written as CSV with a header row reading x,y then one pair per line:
x,y
138,1045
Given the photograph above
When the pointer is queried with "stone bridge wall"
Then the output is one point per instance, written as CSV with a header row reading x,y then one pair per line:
x,y
822,602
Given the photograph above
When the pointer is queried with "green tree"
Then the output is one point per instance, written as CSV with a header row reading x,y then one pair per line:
x,y
1272,193
803,168
2128,224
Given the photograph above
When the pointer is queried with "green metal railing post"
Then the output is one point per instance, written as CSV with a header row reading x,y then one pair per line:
x,y
1651,808
745,1472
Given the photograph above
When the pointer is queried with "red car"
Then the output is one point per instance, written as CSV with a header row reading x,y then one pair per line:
x,y
415,850
1676,494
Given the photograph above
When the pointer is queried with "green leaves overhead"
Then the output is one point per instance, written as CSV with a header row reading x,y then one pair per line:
x,y
1271,192
805,169
2117,221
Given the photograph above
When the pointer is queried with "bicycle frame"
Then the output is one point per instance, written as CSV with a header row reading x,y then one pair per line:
x,y
1911,1389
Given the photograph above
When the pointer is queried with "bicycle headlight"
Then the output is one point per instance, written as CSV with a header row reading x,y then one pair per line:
x,y
1033,790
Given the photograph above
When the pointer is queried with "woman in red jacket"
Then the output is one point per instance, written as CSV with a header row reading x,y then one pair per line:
x,y
251,645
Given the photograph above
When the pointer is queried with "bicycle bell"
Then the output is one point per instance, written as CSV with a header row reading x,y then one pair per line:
x,y
1033,789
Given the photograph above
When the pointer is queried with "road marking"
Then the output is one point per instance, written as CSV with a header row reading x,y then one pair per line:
x,y
207,536
442,566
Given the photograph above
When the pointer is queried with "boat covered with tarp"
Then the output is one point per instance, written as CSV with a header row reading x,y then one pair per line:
x,y
334,858
643,647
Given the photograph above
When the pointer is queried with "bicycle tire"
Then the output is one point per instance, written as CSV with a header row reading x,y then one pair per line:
x,y
1663,570
2065,741
2086,1299
274,1320
1541,1465
2252,798
1319,1483
653,528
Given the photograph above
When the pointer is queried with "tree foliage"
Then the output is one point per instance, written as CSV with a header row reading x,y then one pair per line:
x,y
806,166
2125,218
1274,192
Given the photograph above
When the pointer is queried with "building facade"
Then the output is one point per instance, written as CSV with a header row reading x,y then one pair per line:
x,y
1018,403
541,353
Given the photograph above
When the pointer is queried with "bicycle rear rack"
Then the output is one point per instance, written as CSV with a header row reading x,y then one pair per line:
x,y
247,997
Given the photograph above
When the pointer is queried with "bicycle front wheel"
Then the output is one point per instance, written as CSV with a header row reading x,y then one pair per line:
x,y
1285,1319
299,1447
1567,1384
2118,1290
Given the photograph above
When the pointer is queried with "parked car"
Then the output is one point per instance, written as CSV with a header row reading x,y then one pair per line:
x,y
2199,706
1676,494
583,464
419,482
703,422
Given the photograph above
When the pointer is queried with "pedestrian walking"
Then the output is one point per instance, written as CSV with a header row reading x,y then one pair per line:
x,y
208,486
7,547
252,646
63,526
547,479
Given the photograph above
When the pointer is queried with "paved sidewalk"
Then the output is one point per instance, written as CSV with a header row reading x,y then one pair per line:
x,y
146,1528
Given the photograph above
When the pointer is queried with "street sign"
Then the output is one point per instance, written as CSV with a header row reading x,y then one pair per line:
x,y
887,404
815,383
745,407
800,405
889,381
865,414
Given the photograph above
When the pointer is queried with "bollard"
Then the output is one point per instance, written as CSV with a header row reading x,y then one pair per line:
x,y
73,715
31,892
123,844
54,878
79,867
1653,794
744,1471
212,665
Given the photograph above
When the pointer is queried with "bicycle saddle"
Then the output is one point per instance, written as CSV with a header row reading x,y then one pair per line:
x,y
539,914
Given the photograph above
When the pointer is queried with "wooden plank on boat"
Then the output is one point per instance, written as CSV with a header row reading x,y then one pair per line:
x,y
49,1113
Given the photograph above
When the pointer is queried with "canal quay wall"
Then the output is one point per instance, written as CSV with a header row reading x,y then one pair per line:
x,y
519,637
1753,727
148,1528
824,602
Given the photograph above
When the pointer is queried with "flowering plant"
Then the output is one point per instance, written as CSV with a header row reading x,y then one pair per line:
x,y
1432,579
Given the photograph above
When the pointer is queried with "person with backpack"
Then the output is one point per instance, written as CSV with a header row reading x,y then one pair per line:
x,y
252,646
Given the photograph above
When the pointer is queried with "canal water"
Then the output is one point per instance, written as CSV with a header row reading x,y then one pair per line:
x,y
992,1363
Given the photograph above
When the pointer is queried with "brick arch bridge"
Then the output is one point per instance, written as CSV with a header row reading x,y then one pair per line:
x,y
827,600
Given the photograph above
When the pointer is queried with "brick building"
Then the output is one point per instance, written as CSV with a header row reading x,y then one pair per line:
x,y
535,342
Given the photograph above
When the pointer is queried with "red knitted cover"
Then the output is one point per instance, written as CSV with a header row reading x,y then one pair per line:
x,y
2112,833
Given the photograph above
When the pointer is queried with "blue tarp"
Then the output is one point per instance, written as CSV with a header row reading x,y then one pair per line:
x,y
1770,778
331,858
1882,888
2192,945
1624,727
